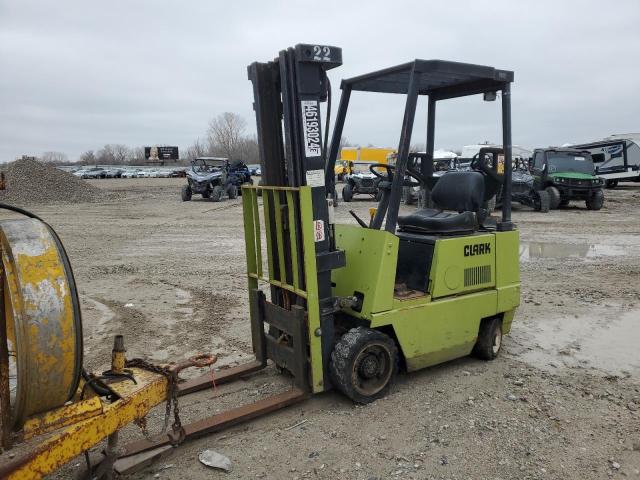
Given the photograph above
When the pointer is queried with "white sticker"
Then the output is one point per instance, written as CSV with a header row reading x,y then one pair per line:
x,y
315,178
311,126
318,230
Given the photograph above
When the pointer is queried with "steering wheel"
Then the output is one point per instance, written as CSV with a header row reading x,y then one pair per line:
x,y
390,169
481,165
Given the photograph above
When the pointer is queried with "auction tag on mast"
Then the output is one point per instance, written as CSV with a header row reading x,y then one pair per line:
x,y
311,126
318,230
315,178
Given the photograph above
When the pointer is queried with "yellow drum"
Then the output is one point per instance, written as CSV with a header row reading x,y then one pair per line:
x,y
44,326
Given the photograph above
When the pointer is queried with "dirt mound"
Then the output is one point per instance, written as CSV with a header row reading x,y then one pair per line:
x,y
31,181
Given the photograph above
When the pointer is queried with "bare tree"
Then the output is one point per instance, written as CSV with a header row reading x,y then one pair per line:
x,y
136,156
105,155
225,134
88,158
120,153
197,149
54,157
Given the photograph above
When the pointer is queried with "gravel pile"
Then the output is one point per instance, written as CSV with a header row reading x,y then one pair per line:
x,y
31,181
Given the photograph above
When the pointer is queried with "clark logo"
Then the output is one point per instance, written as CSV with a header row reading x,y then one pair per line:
x,y
477,249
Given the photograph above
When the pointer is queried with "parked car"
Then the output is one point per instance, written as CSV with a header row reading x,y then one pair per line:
x,y
80,172
143,174
255,169
113,173
128,173
95,172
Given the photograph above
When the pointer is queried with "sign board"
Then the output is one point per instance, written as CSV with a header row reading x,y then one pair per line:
x,y
161,153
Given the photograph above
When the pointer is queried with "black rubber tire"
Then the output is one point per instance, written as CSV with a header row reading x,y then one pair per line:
x,y
347,192
596,200
206,194
611,183
543,202
489,341
350,350
232,192
554,197
185,193
216,193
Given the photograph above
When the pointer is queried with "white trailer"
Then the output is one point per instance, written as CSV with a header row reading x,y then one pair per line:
x,y
616,158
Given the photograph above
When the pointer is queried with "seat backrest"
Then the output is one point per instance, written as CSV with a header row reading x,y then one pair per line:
x,y
459,191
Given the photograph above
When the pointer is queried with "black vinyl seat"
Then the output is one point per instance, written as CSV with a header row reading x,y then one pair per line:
x,y
460,192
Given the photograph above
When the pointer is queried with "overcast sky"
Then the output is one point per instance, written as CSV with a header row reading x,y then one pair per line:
x,y
75,75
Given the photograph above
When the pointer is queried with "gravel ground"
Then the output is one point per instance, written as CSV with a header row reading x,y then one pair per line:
x,y
562,401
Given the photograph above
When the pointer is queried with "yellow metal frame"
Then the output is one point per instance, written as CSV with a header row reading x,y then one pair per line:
x,y
91,421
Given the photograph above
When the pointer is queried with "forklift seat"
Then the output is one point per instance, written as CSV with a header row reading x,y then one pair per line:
x,y
461,192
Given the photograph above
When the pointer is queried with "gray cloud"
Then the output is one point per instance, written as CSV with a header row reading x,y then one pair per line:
x,y
76,75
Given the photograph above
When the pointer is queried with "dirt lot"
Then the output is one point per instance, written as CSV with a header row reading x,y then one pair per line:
x,y
563,401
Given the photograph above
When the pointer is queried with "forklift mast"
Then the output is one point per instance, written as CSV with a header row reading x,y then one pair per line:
x,y
288,92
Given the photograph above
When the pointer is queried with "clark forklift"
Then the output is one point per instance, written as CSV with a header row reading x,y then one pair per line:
x,y
351,304
347,307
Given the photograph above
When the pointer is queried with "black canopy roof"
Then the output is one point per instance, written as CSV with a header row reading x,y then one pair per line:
x,y
440,78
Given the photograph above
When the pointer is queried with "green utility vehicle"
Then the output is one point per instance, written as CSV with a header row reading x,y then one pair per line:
x,y
347,306
567,174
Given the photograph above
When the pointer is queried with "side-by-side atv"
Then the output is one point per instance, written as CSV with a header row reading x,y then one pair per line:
x,y
361,181
523,189
567,174
214,178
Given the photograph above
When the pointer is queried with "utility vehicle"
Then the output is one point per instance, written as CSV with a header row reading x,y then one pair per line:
x,y
567,174
211,178
361,181
523,188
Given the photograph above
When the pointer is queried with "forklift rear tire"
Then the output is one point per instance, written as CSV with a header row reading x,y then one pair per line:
x,y
595,201
347,193
364,364
489,340
186,193
216,193
543,202
554,197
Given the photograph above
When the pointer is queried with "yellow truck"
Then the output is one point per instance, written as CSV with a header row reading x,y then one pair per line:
x,y
351,155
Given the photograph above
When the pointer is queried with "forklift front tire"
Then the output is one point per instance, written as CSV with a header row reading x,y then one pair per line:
x,y
489,341
364,364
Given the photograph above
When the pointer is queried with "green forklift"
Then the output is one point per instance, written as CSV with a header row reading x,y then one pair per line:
x,y
347,306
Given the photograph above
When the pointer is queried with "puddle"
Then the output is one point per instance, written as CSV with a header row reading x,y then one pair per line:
x,y
529,250
609,345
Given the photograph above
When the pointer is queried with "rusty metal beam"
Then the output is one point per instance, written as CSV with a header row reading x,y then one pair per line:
x,y
221,376
222,420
